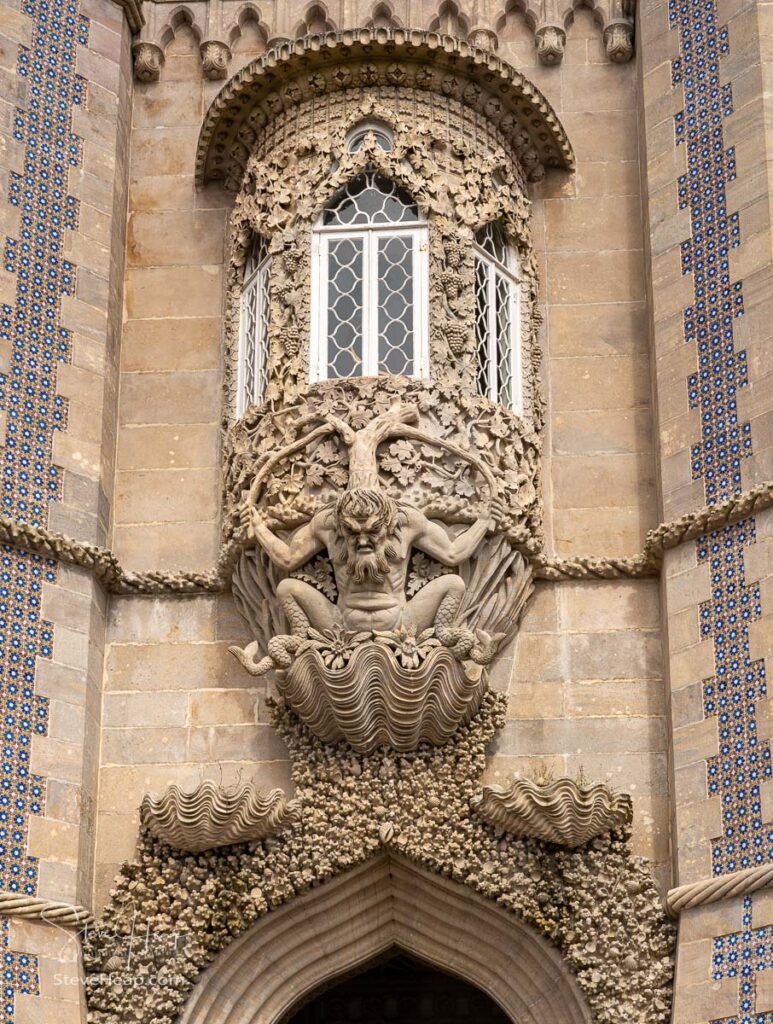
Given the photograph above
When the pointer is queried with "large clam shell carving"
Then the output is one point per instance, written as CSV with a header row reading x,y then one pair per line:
x,y
374,701
561,812
212,816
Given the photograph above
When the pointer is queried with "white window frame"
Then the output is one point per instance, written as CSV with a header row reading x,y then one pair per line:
x,y
254,290
497,269
369,236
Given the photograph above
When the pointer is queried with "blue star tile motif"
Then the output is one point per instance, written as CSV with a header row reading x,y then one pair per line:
x,y
731,695
38,342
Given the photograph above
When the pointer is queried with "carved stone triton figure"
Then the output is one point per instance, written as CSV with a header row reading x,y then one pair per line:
x,y
369,538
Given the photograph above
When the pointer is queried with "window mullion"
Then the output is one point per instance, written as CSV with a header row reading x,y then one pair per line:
x,y
516,385
493,382
370,367
321,346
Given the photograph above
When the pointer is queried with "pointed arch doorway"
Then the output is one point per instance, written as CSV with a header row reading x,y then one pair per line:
x,y
399,990
382,906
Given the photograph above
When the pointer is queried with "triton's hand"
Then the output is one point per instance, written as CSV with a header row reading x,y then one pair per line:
x,y
497,512
249,517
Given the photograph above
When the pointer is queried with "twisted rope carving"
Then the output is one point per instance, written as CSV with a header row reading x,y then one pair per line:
x,y
711,890
14,904
659,540
107,569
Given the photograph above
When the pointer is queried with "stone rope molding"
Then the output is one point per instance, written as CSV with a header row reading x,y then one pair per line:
x,y
712,890
67,915
117,580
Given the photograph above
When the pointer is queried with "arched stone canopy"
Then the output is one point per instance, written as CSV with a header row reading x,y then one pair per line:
x,y
488,84
384,904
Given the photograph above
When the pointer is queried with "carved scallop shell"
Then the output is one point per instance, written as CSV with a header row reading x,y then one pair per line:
x,y
559,812
374,701
213,816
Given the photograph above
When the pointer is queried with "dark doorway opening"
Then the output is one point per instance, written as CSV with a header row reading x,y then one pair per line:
x,y
399,990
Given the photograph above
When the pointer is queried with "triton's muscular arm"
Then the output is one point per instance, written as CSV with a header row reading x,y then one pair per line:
x,y
306,543
434,541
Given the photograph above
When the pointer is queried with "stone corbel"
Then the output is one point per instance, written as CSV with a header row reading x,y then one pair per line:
x,y
618,40
148,59
483,39
550,41
215,58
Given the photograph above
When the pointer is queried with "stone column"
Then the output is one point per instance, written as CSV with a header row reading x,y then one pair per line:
x,y
64,119
705,119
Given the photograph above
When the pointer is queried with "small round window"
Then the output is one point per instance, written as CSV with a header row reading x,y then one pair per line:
x,y
380,132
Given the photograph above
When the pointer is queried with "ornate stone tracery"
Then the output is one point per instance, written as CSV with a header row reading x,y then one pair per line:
x,y
458,190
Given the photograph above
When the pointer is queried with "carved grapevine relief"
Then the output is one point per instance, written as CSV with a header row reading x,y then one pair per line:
x,y
346,664
457,188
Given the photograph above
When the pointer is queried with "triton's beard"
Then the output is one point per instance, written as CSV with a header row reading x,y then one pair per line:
x,y
368,568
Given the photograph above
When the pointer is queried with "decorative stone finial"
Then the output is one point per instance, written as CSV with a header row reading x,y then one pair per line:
x,y
148,59
550,41
215,58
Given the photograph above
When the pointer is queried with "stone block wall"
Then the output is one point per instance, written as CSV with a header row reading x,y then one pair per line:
x,y
658,688
176,707
66,73
705,116
575,681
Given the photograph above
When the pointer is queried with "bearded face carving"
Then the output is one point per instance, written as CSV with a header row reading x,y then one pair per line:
x,y
373,634
368,523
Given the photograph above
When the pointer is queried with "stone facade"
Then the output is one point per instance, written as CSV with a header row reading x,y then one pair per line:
x,y
638,192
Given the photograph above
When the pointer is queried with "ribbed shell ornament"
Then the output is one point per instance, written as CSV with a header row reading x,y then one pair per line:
x,y
562,812
211,816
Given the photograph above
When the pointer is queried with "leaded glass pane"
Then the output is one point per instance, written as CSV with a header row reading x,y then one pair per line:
x,y
496,333
491,238
253,354
370,198
482,333
395,304
345,307
504,338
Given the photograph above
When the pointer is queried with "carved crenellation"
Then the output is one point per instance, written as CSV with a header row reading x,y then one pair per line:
x,y
215,25
548,19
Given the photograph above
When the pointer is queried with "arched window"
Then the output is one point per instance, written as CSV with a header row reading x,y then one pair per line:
x,y
497,317
380,132
370,283
253,330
